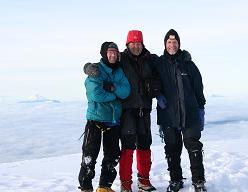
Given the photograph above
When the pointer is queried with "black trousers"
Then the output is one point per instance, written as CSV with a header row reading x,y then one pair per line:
x,y
90,150
136,129
174,140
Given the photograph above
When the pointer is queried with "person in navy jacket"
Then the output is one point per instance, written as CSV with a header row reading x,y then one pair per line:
x,y
181,120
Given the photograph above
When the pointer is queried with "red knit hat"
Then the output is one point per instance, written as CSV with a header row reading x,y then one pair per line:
x,y
134,36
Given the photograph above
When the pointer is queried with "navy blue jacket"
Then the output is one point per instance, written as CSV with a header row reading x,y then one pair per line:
x,y
182,87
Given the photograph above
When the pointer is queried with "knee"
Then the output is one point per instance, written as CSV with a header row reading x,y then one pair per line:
x,y
87,168
193,144
171,149
144,144
170,135
128,142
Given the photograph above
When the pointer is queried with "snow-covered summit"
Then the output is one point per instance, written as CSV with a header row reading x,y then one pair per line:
x,y
38,98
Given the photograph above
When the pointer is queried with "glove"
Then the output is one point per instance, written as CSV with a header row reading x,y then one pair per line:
x,y
162,103
201,118
108,86
91,69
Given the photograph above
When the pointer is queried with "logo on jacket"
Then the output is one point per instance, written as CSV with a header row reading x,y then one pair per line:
x,y
184,74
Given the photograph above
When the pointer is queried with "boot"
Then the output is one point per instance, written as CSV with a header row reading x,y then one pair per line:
x,y
125,169
144,184
86,190
104,189
144,166
126,186
175,186
200,186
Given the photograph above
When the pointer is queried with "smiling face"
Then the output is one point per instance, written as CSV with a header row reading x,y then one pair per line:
x,y
172,45
135,48
112,55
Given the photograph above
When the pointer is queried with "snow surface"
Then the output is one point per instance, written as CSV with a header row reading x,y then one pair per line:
x,y
41,150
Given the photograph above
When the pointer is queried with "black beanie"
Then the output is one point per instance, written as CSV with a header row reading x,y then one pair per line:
x,y
172,32
113,46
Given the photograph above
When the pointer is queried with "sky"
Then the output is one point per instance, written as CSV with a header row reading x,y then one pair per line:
x,y
44,44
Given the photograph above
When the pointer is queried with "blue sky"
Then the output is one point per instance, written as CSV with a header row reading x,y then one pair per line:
x,y
44,44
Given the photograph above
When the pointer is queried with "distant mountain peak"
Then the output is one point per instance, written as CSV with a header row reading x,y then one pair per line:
x,y
38,98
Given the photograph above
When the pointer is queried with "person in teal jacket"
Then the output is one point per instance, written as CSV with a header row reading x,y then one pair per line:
x,y
105,94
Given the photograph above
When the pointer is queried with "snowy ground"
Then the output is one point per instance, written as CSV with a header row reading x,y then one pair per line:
x,y
40,150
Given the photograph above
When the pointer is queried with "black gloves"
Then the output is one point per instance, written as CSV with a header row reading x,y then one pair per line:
x,y
108,86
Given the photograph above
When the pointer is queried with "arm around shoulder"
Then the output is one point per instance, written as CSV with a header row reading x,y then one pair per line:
x,y
91,69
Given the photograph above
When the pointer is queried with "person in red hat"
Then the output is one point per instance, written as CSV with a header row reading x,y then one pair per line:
x,y
138,65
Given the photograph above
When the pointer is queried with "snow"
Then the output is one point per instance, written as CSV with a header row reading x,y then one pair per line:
x,y
41,150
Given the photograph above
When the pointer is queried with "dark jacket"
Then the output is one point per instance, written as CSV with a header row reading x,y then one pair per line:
x,y
182,87
136,69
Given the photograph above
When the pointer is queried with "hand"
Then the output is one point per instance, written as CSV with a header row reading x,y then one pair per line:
x,y
201,118
91,69
108,86
162,102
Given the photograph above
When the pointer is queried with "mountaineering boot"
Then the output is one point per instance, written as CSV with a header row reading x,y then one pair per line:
x,y
125,169
85,190
144,184
175,186
126,186
104,189
200,186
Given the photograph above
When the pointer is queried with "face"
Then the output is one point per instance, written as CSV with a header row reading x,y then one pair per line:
x,y
112,55
172,46
135,48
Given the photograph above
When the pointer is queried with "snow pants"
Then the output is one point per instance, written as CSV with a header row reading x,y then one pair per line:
x,y
90,150
174,140
135,135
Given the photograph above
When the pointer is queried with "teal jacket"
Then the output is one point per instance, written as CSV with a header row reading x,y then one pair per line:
x,y
106,106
